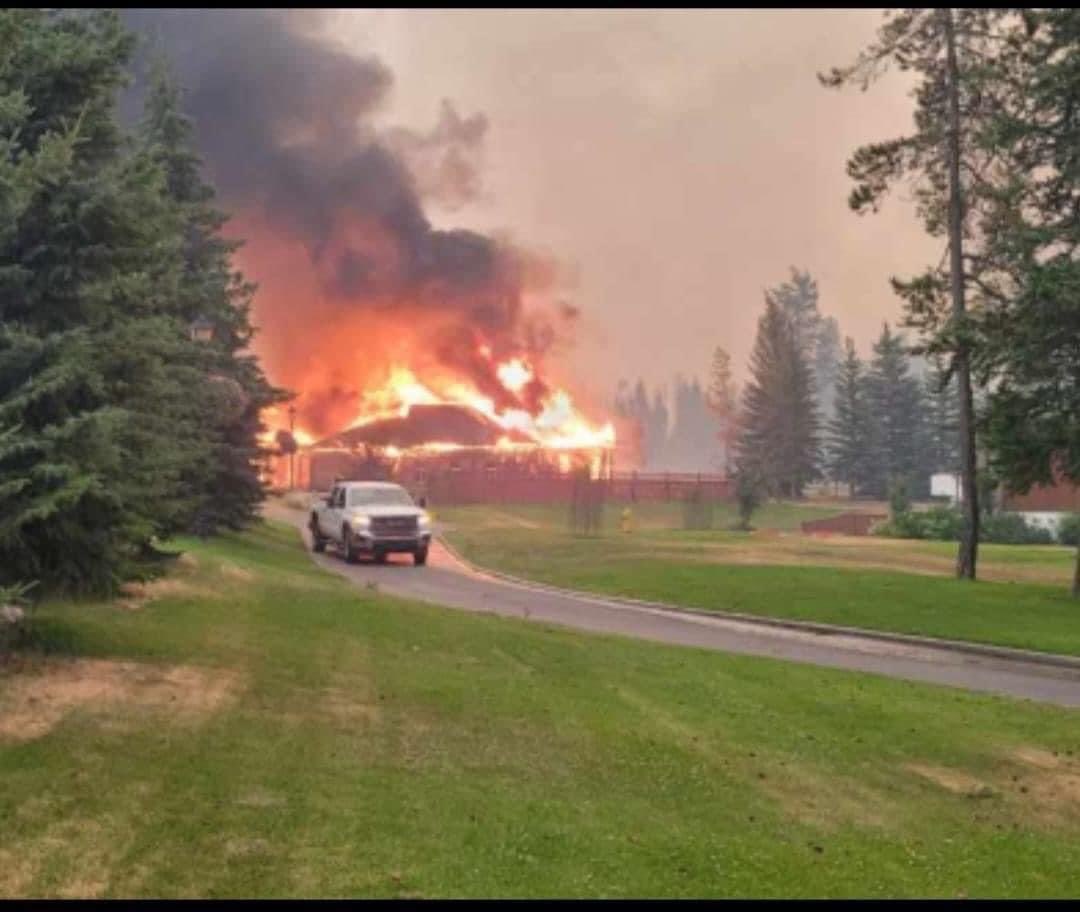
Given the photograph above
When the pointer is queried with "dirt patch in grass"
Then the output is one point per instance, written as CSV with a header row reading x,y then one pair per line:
x,y
32,704
1035,785
134,596
1049,783
825,801
953,780
236,572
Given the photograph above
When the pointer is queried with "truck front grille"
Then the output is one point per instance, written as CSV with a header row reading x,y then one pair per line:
x,y
393,526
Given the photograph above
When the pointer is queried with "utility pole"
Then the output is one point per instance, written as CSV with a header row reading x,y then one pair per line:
x,y
292,449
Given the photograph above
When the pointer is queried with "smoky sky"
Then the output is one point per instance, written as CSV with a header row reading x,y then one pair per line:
x,y
284,124
683,160
680,161
281,121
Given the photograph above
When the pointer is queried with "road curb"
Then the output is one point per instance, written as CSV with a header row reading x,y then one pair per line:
x,y
1050,659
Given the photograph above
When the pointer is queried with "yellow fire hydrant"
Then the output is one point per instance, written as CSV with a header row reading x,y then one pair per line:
x,y
627,520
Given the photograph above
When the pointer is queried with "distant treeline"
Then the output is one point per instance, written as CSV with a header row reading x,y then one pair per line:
x,y
811,411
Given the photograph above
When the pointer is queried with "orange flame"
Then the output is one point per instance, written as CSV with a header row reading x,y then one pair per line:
x,y
557,424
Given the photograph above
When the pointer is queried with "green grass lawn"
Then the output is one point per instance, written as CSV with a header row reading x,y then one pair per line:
x,y
846,581
321,740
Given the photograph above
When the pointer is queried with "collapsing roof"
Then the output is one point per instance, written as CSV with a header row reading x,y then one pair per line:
x,y
425,424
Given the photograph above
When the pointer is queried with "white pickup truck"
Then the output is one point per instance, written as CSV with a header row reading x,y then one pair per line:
x,y
373,518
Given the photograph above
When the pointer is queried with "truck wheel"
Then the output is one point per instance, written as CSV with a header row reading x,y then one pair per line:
x,y
318,543
380,557
420,557
350,551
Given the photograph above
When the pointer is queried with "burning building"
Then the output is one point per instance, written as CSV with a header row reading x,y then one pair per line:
x,y
399,338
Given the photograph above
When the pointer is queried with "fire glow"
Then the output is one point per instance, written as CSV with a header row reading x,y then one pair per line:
x,y
556,425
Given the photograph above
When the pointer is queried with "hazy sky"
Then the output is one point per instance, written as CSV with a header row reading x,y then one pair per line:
x,y
681,161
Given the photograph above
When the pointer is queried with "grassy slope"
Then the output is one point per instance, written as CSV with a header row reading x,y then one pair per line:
x,y
733,572
387,748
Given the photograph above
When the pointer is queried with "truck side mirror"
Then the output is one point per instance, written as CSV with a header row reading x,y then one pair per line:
x,y
423,503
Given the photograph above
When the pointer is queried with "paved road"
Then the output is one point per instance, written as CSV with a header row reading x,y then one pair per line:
x,y
445,581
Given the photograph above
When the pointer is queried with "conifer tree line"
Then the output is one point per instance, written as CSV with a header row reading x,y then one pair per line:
x,y
809,412
119,426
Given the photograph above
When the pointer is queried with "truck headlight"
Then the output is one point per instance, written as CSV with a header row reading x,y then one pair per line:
x,y
425,521
360,522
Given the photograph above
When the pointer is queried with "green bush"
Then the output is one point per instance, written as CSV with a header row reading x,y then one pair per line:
x,y
942,524
1013,529
1069,529
946,524
903,525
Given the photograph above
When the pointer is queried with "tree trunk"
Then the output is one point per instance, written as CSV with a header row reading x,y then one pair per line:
x,y
969,538
1076,574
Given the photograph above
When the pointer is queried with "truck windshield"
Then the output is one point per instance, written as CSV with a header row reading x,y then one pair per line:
x,y
394,497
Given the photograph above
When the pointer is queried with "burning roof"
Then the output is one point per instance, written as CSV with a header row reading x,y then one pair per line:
x,y
423,425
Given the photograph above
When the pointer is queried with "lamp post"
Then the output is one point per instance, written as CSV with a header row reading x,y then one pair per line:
x,y
201,330
292,451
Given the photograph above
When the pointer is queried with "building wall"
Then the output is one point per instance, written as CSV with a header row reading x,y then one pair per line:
x,y
1056,498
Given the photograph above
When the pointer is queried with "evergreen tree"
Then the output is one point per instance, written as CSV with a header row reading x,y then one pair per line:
x,y
85,264
942,416
1029,328
106,436
849,437
895,402
226,486
692,444
826,364
798,299
722,400
778,440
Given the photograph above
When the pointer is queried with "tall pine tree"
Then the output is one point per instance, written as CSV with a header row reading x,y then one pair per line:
x,y
226,487
896,407
105,442
849,431
778,439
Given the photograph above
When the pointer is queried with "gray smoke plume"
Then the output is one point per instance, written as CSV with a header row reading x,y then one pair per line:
x,y
283,122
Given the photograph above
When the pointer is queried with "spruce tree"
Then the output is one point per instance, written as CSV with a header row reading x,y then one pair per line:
x,y
1029,332
826,362
849,437
226,486
895,404
105,399
722,399
85,264
778,438
942,417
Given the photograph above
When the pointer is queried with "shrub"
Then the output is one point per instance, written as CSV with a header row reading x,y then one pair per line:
x,y
749,494
942,524
1013,529
1069,529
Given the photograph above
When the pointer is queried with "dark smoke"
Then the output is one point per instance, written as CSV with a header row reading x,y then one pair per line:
x,y
284,125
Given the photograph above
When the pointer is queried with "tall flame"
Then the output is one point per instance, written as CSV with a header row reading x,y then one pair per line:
x,y
556,424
